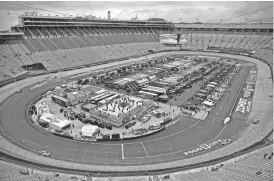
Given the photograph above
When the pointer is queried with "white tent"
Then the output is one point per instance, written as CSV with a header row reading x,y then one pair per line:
x,y
54,121
89,130
207,103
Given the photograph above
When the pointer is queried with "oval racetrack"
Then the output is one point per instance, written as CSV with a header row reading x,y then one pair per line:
x,y
186,134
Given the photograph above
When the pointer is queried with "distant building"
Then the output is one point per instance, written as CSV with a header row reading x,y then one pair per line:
x,y
156,19
109,15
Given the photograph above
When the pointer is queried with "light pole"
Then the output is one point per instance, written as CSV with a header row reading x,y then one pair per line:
x,y
197,33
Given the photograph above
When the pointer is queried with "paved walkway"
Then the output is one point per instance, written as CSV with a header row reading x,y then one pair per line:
x,y
262,109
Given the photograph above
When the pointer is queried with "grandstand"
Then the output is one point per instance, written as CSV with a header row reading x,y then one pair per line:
x,y
39,43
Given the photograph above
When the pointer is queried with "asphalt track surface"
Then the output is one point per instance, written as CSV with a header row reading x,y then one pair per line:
x,y
185,135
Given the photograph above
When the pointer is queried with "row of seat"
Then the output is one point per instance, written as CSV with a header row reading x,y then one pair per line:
x,y
248,41
10,172
242,170
10,65
69,58
14,56
82,31
57,43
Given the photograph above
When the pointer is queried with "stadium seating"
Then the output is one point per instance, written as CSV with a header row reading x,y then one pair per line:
x,y
213,38
12,173
10,64
206,39
253,167
59,43
242,170
64,38
49,44
69,58
37,44
62,48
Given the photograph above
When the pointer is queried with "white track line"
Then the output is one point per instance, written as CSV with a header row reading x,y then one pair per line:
x,y
213,120
122,146
144,148
167,135
187,148
238,94
184,100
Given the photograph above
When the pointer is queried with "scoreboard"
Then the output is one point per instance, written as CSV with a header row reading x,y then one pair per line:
x,y
173,39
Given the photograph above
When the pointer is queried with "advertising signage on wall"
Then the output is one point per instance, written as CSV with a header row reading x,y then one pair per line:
x,y
168,38
248,91
243,106
244,103
205,146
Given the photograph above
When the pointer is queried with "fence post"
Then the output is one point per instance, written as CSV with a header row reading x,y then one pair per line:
x,y
106,161
94,160
116,163
172,160
25,154
161,156
72,160
249,139
259,136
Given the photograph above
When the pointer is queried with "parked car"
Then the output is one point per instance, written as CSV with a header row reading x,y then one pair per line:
x,y
109,126
130,125
44,153
85,120
226,142
101,125
256,121
44,124
19,91
140,131
93,122
146,118
157,113
58,130
154,127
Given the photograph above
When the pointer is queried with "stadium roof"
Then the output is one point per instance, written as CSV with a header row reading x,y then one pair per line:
x,y
227,25
11,33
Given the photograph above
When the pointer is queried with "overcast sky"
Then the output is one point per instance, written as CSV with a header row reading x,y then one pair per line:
x,y
185,11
